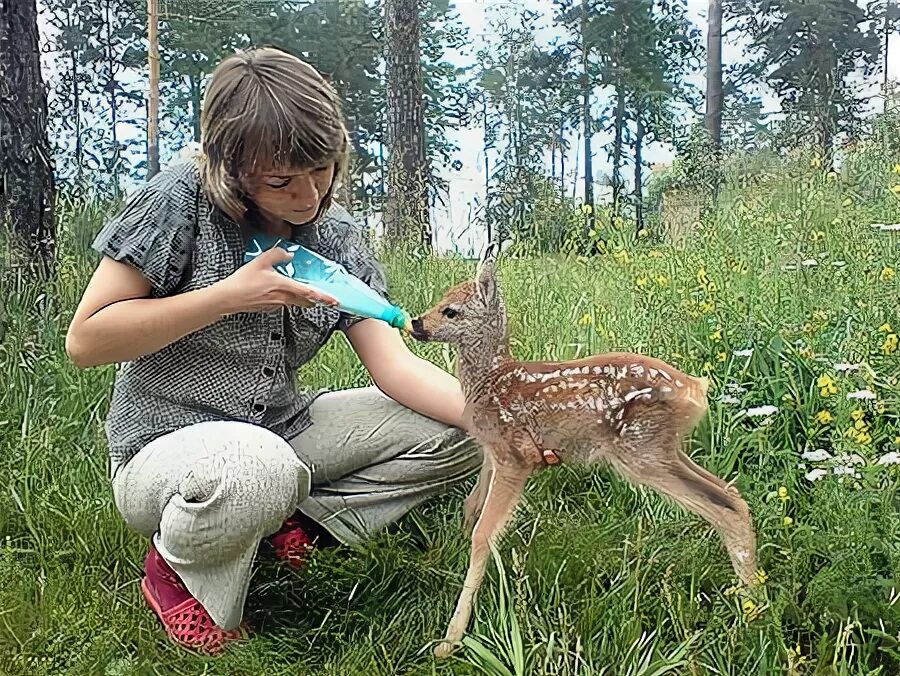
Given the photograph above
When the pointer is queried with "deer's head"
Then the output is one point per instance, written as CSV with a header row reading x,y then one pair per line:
x,y
470,313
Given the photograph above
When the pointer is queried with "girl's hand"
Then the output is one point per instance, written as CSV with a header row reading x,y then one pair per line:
x,y
258,287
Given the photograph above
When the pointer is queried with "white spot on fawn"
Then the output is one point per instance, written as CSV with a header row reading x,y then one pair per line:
x,y
638,393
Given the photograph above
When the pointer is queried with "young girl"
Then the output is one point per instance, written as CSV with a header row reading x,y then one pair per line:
x,y
213,447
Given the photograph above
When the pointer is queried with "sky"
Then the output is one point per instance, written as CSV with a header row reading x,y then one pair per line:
x,y
452,223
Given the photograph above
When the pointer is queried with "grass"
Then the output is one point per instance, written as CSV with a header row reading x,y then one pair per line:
x,y
595,576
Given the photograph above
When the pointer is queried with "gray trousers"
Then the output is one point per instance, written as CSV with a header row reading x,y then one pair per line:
x,y
207,494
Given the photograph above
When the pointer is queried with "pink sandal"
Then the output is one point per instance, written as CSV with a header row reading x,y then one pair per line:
x,y
186,621
294,541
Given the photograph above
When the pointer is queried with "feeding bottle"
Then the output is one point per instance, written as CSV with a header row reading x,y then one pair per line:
x,y
353,295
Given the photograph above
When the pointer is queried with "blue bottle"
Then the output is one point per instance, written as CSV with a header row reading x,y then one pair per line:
x,y
353,295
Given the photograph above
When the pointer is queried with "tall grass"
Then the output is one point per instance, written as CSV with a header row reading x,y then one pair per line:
x,y
595,576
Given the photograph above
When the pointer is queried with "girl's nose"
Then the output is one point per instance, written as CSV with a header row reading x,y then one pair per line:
x,y
305,192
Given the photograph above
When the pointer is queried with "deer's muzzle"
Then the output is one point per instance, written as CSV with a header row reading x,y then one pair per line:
x,y
418,330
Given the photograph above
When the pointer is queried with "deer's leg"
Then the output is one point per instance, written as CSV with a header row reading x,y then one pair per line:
x,y
505,488
687,484
703,472
475,502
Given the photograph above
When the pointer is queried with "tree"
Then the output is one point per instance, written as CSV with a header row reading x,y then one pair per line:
x,y
809,50
714,73
26,170
406,217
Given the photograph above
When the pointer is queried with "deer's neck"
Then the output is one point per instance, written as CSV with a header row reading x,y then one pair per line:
x,y
477,359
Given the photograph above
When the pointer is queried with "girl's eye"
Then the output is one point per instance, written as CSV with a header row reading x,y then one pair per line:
x,y
277,185
449,312
322,170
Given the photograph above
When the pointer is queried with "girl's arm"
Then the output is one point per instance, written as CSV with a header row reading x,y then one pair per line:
x,y
404,377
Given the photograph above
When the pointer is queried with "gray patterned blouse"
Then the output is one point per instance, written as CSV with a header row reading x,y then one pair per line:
x,y
242,367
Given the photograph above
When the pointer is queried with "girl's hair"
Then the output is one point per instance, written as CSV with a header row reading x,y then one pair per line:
x,y
265,109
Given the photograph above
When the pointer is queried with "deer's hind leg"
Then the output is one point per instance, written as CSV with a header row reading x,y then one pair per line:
x,y
474,503
675,475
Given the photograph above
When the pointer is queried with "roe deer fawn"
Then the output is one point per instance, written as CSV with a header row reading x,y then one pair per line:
x,y
627,410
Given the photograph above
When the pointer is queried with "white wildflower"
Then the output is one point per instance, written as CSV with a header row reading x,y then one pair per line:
x,y
846,469
815,475
748,352
844,367
861,394
852,459
759,411
729,399
787,267
892,458
810,263
817,455
735,388
839,264
895,227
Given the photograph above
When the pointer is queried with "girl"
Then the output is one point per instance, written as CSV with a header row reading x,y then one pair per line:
x,y
212,445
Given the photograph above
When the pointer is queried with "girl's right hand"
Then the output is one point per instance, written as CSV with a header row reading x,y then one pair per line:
x,y
257,287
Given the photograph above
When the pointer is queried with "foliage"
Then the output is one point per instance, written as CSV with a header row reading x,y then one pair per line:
x,y
594,572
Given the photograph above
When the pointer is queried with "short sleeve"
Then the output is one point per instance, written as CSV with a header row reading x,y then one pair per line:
x,y
360,261
154,230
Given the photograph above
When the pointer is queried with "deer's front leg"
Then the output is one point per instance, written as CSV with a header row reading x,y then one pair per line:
x,y
474,504
505,488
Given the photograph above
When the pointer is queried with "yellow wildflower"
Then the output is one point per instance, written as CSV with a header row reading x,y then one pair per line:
x,y
889,346
824,417
896,169
643,233
702,277
885,328
761,576
887,274
857,414
586,208
847,202
655,254
716,336
895,189
816,162
751,611
586,319
622,256
662,280
864,438
641,282
787,522
826,385
860,425
806,353
721,356
707,307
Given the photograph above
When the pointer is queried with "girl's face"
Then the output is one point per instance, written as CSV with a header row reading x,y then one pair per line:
x,y
291,195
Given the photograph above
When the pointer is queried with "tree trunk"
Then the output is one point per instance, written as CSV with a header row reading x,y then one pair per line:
x,y
406,210
196,103
618,140
590,217
153,94
714,74
26,166
638,173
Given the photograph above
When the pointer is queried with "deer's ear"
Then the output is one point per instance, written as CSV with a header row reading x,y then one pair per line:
x,y
486,282
490,251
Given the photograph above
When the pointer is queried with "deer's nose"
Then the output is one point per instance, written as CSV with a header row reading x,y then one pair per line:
x,y
418,331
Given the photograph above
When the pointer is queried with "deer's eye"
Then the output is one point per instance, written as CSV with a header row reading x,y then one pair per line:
x,y
449,312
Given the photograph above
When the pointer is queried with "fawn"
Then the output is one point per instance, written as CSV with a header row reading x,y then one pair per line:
x,y
627,410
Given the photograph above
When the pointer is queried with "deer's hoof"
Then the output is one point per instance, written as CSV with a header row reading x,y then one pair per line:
x,y
445,648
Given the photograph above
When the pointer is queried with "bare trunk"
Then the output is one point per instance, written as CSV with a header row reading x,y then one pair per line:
x,y
153,94
26,169
714,74
590,217
638,173
617,145
406,210
195,104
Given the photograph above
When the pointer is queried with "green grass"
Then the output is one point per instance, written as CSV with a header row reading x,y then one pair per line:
x,y
596,577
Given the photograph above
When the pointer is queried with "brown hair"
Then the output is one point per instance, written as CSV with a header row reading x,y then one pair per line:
x,y
265,109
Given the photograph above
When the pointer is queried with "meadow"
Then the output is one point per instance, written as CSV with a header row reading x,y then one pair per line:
x,y
786,296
